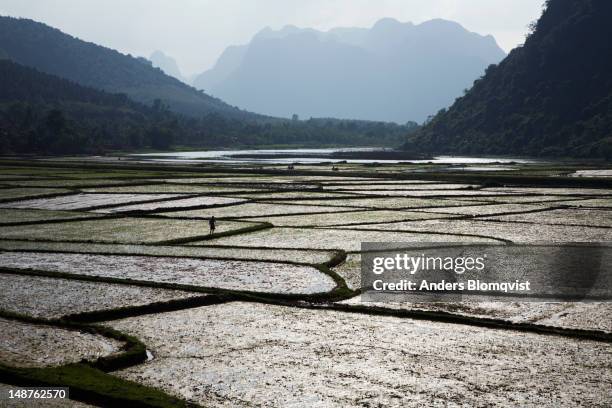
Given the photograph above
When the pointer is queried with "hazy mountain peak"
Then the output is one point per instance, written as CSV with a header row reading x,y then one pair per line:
x,y
388,23
264,32
228,61
441,22
166,64
268,33
290,28
395,71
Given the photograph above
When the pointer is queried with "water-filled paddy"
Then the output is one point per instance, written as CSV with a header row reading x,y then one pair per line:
x,y
191,250
118,230
347,218
252,354
69,183
488,209
254,210
185,202
171,189
33,345
8,215
82,201
336,238
213,273
249,352
409,185
51,298
7,194
594,218
388,202
582,316
511,231
591,203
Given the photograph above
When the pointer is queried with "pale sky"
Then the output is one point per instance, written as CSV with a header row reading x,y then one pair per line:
x,y
195,32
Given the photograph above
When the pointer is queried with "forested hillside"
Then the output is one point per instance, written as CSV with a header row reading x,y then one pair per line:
x,y
49,50
552,96
41,113
45,114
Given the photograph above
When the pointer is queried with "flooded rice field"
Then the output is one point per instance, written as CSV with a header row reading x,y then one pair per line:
x,y
251,210
10,194
586,217
337,238
118,230
171,188
396,203
223,274
346,218
100,264
185,202
193,251
82,201
52,298
570,315
9,215
504,231
36,345
252,354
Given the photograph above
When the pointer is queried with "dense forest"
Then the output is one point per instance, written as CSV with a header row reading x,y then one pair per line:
x,y
44,114
550,97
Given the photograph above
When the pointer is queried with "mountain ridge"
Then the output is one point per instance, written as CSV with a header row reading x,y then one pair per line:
x,y
166,63
374,60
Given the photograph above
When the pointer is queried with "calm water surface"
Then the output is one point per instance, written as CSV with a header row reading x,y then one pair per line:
x,y
225,156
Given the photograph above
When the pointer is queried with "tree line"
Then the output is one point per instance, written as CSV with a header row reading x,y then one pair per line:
x,y
45,114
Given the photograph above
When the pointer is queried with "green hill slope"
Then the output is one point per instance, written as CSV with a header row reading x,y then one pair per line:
x,y
49,50
41,113
552,96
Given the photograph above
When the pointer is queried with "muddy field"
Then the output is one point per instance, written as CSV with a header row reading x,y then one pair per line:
x,y
251,354
118,230
186,202
338,238
54,298
81,201
224,274
266,311
194,251
32,345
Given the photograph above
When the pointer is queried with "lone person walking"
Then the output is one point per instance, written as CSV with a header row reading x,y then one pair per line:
x,y
211,224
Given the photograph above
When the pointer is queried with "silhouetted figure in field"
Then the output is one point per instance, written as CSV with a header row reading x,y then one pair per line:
x,y
211,223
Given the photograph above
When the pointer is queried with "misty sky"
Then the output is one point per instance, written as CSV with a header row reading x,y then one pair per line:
x,y
195,32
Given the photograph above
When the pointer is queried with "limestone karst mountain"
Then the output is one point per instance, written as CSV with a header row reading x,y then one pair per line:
x,y
393,71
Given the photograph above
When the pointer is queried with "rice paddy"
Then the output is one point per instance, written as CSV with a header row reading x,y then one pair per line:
x,y
84,201
35,345
51,298
254,354
118,230
252,276
117,272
